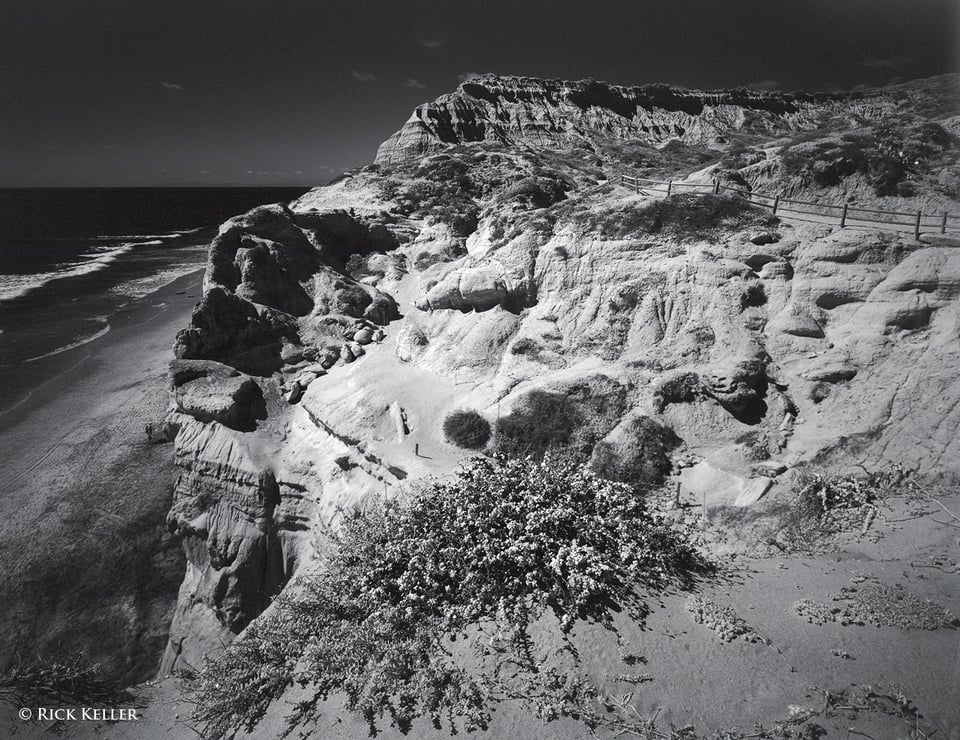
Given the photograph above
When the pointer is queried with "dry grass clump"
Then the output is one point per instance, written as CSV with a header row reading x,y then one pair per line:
x,y
824,505
722,619
869,601
65,678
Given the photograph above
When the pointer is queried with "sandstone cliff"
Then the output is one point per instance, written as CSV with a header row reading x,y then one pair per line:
x,y
336,333
520,111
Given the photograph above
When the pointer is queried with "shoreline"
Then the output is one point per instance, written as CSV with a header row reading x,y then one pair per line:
x,y
56,364
80,485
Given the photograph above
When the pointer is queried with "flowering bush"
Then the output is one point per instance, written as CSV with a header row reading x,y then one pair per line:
x,y
500,544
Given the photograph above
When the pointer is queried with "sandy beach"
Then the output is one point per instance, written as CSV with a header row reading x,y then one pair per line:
x,y
87,563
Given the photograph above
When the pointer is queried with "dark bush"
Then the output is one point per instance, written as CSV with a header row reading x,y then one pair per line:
x,y
687,215
466,428
683,387
541,422
827,163
739,156
898,147
753,295
820,392
640,456
536,192
525,346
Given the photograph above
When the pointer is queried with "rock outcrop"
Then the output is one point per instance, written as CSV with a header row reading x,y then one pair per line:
x,y
336,334
558,114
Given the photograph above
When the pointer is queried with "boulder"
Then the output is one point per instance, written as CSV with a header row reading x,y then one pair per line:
x,y
236,401
364,336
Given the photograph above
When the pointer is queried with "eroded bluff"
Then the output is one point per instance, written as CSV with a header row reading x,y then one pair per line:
x,y
558,114
336,334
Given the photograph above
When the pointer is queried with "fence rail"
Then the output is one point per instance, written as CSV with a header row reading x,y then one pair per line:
x,y
918,221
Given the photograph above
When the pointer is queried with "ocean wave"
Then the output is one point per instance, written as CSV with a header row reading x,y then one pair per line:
x,y
144,286
73,345
139,237
15,286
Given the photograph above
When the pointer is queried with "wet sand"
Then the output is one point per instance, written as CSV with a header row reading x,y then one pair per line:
x,y
86,562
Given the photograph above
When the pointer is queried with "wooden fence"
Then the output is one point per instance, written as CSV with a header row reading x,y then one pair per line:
x,y
847,215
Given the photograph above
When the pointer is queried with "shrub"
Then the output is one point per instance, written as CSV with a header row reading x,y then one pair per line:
x,y
572,420
824,505
639,456
756,446
827,163
688,215
501,544
356,266
683,387
536,192
466,428
899,146
753,295
819,391
541,422
525,346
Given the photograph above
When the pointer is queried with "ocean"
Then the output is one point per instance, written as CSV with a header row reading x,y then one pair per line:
x,y
71,259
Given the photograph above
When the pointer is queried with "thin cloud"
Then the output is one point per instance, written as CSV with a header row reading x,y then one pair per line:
x,y
888,63
432,43
171,86
416,84
364,76
467,76
764,85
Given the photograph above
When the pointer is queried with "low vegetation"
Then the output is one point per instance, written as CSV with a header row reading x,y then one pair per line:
x,y
640,455
891,156
682,387
541,422
683,216
824,505
67,678
486,554
572,419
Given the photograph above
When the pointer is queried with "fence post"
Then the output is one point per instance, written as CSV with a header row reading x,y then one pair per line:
x,y
843,217
669,187
716,186
636,185
776,202
916,228
943,224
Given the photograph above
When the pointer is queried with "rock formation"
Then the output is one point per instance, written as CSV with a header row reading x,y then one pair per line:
x,y
554,113
489,257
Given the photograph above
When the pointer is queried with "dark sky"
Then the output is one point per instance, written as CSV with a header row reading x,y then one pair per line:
x,y
269,92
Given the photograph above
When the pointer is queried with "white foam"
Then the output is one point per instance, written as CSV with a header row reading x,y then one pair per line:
x,y
140,237
73,345
15,286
